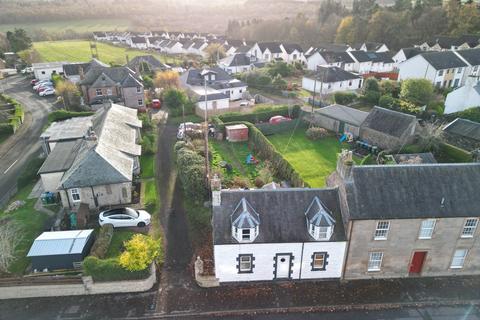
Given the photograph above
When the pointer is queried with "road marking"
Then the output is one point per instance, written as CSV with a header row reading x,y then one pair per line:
x,y
10,166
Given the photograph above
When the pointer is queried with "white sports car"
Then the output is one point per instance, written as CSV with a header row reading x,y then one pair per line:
x,y
124,217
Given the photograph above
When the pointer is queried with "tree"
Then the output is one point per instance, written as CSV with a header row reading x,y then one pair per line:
x,y
371,84
166,79
68,91
328,8
215,52
280,68
175,100
345,31
140,252
417,91
430,136
10,237
19,40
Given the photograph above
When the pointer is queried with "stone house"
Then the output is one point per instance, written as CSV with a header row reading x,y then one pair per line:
x,y
463,133
388,129
339,119
409,220
96,169
119,84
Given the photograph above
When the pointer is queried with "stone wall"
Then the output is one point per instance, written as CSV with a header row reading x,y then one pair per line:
x,y
86,288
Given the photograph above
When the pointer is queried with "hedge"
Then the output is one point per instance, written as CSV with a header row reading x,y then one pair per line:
x,y
5,128
269,129
261,114
454,154
110,270
344,98
104,238
60,115
264,149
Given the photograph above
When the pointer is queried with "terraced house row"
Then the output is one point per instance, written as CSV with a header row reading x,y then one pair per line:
x,y
372,221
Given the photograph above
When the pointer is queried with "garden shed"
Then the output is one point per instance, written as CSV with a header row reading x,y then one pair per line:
x,y
340,119
237,132
60,249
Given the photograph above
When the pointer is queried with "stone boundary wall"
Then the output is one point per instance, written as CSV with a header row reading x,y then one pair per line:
x,y
88,287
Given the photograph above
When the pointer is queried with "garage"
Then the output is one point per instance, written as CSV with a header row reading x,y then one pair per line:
x,y
60,249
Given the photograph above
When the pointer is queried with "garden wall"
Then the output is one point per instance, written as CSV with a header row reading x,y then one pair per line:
x,y
86,287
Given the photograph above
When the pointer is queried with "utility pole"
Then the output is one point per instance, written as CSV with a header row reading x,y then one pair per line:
x,y
207,160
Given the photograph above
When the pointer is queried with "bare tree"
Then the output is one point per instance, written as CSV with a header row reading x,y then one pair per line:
x,y
9,240
430,136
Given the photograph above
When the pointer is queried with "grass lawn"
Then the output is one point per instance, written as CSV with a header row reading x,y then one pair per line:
x,y
313,160
79,51
235,154
31,224
116,246
147,165
83,25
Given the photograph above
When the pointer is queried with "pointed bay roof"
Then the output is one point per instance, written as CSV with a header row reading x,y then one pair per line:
x,y
244,216
318,215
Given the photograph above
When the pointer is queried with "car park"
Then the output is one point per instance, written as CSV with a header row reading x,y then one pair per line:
x,y
124,217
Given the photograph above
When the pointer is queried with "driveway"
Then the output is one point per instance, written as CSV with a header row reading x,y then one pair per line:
x,y
19,148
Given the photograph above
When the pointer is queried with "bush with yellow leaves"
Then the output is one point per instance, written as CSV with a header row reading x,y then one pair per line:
x,y
140,252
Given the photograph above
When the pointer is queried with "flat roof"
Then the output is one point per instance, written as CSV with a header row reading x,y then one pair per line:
x,y
59,243
73,128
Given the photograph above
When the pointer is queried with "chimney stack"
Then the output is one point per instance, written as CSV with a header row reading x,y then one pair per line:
x,y
81,73
216,185
345,165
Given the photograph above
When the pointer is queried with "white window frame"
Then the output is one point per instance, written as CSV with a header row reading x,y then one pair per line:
x,y
322,233
317,257
247,259
469,227
381,232
75,192
244,233
428,228
375,260
458,258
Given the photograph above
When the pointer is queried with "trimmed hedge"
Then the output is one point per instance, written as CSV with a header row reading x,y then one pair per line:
x,y
261,114
104,238
60,115
269,129
16,119
344,98
110,270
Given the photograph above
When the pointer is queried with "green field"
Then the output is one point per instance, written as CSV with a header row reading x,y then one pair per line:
x,y
313,160
79,51
80,26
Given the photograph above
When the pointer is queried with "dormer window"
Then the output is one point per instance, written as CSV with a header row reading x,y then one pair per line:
x,y
320,223
245,222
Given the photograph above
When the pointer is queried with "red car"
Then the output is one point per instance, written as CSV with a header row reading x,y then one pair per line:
x,y
156,104
278,119
34,82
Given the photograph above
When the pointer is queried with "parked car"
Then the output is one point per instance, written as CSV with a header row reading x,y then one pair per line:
x,y
244,104
156,104
43,88
124,217
278,119
47,92
33,82
42,84
27,70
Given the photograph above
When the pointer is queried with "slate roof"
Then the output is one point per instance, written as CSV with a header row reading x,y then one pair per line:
x,y
60,243
198,44
244,216
335,47
235,43
152,62
139,40
343,113
238,59
465,128
73,69
318,215
373,46
69,129
274,47
446,42
332,74
443,60
392,123
243,49
213,96
411,52
414,191
364,56
415,158
290,47
62,156
281,212
194,78
335,57
106,76
472,56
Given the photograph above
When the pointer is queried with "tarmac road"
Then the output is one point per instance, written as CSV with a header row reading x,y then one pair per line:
x,y
25,143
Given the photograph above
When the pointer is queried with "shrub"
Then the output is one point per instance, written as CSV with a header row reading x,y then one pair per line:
x,y
278,83
240,182
148,144
280,68
175,100
29,173
371,84
371,97
110,270
387,101
140,252
344,97
191,172
472,114
315,133
259,114
417,91
146,121
102,242
438,107
259,182
60,115
5,128
389,87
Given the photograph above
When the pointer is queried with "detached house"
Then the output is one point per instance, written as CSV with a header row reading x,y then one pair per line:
x,y
267,51
119,84
74,71
280,234
409,220
239,62
370,61
147,63
96,169
139,43
331,59
327,80
221,88
292,53
405,54
444,69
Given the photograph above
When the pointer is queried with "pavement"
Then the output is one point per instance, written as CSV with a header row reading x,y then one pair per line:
x,y
25,143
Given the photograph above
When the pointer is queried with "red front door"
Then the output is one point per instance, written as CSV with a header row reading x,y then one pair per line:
x,y
417,261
